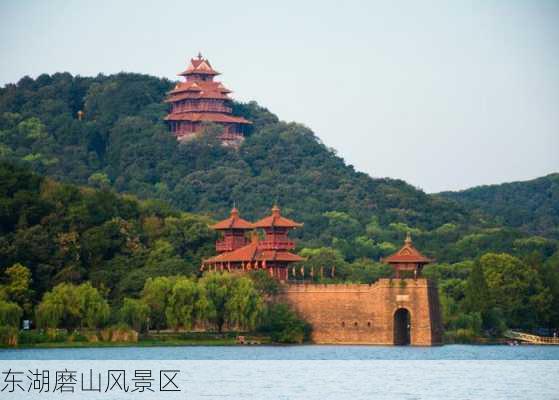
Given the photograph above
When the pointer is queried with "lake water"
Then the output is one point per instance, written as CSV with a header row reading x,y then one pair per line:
x,y
313,352
454,372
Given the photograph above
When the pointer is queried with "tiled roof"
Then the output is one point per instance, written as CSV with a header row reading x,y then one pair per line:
x,y
407,254
205,116
199,66
276,221
251,252
198,89
233,222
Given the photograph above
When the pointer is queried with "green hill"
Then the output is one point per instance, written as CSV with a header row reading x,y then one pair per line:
x,y
114,199
122,143
532,206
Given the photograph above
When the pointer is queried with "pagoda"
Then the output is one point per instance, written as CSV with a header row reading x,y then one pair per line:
x,y
271,254
233,232
407,260
201,99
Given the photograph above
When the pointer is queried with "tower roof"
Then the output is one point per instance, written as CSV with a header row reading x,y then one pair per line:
x,y
199,65
407,254
276,221
252,252
233,222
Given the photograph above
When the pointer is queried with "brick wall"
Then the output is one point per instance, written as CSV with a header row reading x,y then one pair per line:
x,y
364,314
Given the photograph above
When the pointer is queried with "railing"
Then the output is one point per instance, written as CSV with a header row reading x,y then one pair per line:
x,y
277,244
535,339
199,108
223,245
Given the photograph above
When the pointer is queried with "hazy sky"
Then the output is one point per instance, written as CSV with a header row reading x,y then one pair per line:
x,y
443,94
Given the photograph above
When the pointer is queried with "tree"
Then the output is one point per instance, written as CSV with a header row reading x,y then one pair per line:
x,y
476,297
187,304
283,325
135,313
10,314
244,304
331,260
517,289
71,306
156,295
18,286
94,309
232,300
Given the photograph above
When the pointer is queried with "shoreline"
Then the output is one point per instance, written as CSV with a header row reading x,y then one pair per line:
x,y
213,342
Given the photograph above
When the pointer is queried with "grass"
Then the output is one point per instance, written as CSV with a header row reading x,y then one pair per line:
x,y
152,340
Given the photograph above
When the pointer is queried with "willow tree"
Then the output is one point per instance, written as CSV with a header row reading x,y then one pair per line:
x,y
232,300
135,312
187,304
71,306
156,294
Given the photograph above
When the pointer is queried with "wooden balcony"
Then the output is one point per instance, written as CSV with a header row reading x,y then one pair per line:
x,y
229,245
277,244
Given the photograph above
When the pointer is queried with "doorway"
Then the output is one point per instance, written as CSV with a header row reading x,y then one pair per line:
x,y
402,327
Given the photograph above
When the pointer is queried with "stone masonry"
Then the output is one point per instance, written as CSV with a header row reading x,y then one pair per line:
x,y
366,314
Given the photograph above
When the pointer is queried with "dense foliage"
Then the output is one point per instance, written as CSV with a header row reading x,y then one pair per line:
x,y
493,271
66,234
532,206
122,143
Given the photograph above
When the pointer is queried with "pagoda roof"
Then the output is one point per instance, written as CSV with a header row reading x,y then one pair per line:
x,y
199,65
252,252
407,254
198,90
206,116
276,220
233,222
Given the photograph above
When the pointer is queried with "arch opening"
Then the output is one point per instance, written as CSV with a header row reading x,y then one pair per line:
x,y
402,327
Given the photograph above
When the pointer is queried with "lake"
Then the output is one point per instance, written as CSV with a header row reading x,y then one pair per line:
x,y
310,352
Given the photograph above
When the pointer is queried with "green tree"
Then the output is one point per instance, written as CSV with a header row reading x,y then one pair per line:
x,y
187,304
517,289
232,300
283,325
10,314
156,295
94,309
18,285
135,313
60,308
476,296
71,306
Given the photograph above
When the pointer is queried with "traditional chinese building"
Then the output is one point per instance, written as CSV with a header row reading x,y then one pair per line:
x,y
201,99
392,311
408,261
272,253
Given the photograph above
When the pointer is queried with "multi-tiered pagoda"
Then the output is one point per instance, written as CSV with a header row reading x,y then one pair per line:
x,y
201,99
238,254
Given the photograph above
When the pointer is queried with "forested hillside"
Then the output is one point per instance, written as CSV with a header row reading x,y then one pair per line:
x,y
532,206
144,202
122,143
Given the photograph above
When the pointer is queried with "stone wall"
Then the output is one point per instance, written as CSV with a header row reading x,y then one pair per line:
x,y
364,314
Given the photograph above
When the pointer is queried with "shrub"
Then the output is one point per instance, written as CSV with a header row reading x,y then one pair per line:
x,y
283,325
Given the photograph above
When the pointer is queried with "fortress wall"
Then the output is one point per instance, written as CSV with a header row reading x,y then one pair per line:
x,y
364,314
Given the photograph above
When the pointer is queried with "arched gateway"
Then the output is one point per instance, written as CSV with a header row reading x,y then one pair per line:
x,y
402,327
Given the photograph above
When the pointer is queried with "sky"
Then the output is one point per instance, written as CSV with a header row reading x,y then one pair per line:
x,y
443,94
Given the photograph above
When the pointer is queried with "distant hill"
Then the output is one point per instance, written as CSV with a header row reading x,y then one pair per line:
x,y
532,206
122,143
